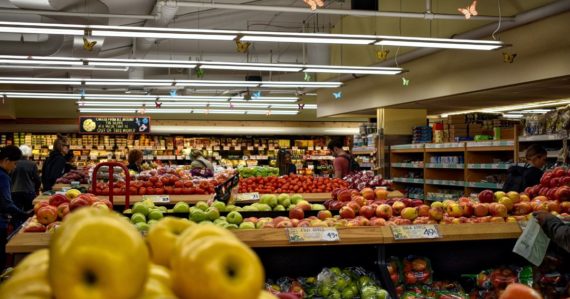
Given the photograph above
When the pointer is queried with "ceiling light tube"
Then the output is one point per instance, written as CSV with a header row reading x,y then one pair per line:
x,y
142,64
187,111
250,68
351,71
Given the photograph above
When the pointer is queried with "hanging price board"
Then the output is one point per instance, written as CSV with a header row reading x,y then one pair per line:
x,y
157,198
114,125
312,234
414,232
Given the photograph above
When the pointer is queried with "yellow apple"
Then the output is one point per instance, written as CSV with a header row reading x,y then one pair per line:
x,y
33,260
200,231
437,204
499,195
266,295
94,253
161,274
514,196
162,237
31,283
155,289
508,202
216,268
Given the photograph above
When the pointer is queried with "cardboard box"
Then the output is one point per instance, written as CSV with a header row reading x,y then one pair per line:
x,y
456,119
458,126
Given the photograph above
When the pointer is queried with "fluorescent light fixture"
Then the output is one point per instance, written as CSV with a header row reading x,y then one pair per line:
x,y
188,111
354,70
512,115
142,64
56,67
499,109
256,36
139,104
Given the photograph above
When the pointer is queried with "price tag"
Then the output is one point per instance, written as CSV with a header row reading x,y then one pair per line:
x,y
318,148
310,148
226,148
345,148
414,232
312,234
216,148
237,147
100,147
271,147
294,148
254,196
250,148
157,198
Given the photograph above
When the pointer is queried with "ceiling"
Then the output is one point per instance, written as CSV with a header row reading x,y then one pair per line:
x,y
226,51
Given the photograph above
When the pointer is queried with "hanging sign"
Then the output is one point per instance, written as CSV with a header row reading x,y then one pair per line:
x,y
114,125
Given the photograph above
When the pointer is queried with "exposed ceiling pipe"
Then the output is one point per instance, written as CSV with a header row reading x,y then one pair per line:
x,y
44,48
342,12
75,14
165,12
521,19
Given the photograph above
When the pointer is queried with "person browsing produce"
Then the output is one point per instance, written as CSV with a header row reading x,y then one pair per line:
x,y
520,177
135,160
343,160
286,166
54,166
199,162
26,181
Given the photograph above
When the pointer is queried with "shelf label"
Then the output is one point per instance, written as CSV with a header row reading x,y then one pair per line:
x,y
216,148
414,232
250,148
254,196
310,148
237,148
318,148
226,148
312,234
294,148
157,198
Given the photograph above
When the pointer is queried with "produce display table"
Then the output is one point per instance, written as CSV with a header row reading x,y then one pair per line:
x,y
276,237
59,187
192,199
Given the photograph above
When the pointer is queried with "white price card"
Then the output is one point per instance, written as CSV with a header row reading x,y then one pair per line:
x,y
226,148
294,148
318,148
414,232
250,148
312,234
237,148
216,148
254,196
157,198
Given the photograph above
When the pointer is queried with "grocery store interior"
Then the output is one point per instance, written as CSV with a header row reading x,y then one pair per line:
x,y
284,149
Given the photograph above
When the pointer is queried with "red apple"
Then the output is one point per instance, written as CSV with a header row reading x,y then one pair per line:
x,y
480,209
354,206
522,208
368,194
324,214
467,208
336,205
497,219
565,207
303,204
46,214
384,211
284,224
381,194
407,201
397,207
423,210
39,204
361,201
367,211
34,227
377,222
558,172
436,213
251,219
63,210
498,210
77,203
344,195
57,199
278,219
454,210
464,200
347,213
553,206
296,213
486,196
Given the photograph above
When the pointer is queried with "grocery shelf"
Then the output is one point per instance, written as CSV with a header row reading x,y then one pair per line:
x,y
491,149
408,146
445,165
446,183
408,165
192,199
407,151
363,152
408,180
445,150
484,185
489,166
277,237
547,137
494,143
416,196
549,154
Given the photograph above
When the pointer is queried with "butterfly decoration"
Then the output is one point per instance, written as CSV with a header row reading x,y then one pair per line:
x,y
337,95
313,4
4,98
470,10
307,77
508,57
82,92
301,106
382,54
242,47
142,110
199,72
231,105
268,113
173,92
256,94
88,45
157,104
405,81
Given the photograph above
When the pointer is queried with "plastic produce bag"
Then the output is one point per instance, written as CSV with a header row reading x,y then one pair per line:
x,y
417,270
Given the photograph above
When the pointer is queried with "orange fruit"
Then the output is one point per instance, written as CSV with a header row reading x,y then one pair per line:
x,y
520,291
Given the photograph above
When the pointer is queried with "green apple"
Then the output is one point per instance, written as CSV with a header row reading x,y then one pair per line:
x,y
381,294
279,208
155,214
140,208
219,205
368,292
283,197
341,283
198,216
170,211
249,208
348,293
335,294
271,200
152,222
364,281
163,208
284,201
295,198
264,198
230,208
127,211
138,218
202,205
231,226
220,220
247,225
212,213
234,218
324,290
142,226
193,209
181,207
291,207
264,207
206,222
318,207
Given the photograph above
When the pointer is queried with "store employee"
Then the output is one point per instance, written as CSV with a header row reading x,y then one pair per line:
x,y
135,160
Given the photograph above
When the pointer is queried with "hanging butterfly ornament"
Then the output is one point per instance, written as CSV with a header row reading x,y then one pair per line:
x,y
301,106
337,95
4,98
382,54
313,4
242,47
142,110
157,104
173,92
470,10
256,94
199,72
405,81
307,77
509,57
88,45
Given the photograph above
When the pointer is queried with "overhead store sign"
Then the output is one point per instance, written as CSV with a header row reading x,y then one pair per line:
x,y
114,125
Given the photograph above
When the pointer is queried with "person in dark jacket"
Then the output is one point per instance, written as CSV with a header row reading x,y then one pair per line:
x,y
536,157
25,182
69,160
285,163
554,228
9,157
135,160
54,166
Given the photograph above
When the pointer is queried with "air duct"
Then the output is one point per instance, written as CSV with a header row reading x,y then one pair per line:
x,y
165,12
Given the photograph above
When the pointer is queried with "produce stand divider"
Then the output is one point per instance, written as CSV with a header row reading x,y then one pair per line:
x,y
111,166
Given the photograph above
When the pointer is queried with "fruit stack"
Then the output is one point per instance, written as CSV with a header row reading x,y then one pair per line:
x,y
77,175
289,184
258,171
95,254
330,283
48,213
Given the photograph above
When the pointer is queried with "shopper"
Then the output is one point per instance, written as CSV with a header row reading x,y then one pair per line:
x,y
135,160
69,162
343,162
285,163
554,228
26,180
199,162
520,177
9,156
54,166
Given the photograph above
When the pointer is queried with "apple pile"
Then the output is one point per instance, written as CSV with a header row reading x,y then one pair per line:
x,y
520,204
49,213
554,185
289,184
365,179
95,251
75,175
